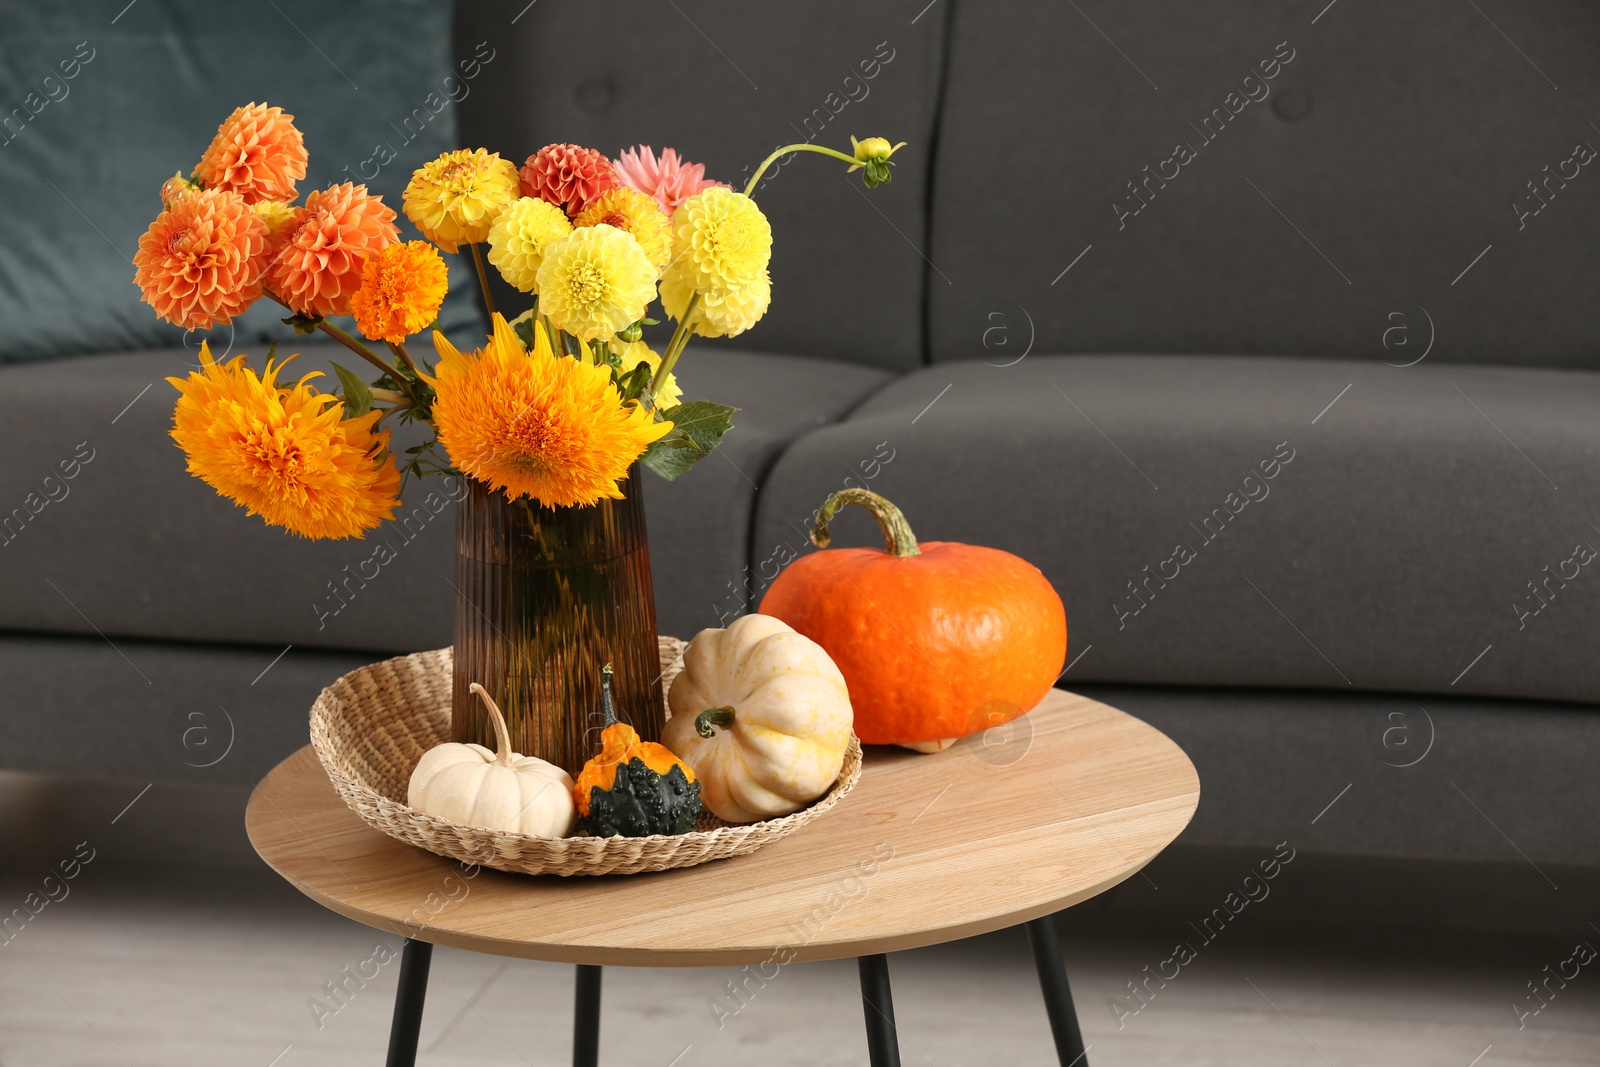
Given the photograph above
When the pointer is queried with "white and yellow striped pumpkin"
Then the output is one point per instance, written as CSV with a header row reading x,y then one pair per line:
x,y
762,715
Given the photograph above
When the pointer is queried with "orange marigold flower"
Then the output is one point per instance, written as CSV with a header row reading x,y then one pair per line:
x,y
537,425
401,290
256,153
286,453
331,238
568,176
201,261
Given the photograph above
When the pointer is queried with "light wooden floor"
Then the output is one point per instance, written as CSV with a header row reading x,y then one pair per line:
x,y
182,964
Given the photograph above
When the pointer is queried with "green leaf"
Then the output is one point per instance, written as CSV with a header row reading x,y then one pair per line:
x,y
523,328
697,428
633,384
306,324
357,397
876,172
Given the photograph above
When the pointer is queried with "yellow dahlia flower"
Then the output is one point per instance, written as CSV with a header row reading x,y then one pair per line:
x,y
454,199
595,282
721,240
636,213
280,219
722,312
519,236
534,424
285,453
668,394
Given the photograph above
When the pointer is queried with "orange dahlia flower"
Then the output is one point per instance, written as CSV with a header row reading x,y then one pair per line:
x,y
256,153
331,238
286,453
201,261
568,176
401,290
534,424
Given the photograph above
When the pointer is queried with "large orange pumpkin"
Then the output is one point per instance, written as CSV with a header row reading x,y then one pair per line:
x,y
935,641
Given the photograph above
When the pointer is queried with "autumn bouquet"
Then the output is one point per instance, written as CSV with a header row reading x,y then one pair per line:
x,y
562,398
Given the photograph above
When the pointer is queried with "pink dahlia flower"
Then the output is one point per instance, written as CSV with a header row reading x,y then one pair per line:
x,y
670,179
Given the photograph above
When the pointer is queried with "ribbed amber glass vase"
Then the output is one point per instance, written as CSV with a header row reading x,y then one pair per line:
x,y
545,597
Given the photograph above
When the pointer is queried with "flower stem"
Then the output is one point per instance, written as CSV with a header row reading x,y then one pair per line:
x,y
680,337
785,150
357,347
483,277
343,338
404,357
675,347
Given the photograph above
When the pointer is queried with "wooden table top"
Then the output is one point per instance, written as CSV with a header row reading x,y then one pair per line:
x,y
926,849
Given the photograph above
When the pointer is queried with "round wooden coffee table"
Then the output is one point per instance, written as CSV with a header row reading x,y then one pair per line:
x,y
1005,828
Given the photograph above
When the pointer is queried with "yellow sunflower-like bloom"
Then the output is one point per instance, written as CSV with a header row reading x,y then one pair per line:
x,y
537,425
454,199
402,289
721,240
519,236
595,282
722,312
636,213
668,394
285,453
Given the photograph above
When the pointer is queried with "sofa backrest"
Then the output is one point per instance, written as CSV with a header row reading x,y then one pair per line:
x,y
724,82
1341,180
1289,179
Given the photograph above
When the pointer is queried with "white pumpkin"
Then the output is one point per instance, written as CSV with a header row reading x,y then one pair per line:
x,y
470,785
762,715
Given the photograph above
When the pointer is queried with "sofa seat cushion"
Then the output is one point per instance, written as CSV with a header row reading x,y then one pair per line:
x,y
130,545
158,710
1379,772
1256,521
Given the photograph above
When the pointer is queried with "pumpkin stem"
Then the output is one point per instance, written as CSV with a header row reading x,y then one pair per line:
x,y
898,540
706,723
606,704
496,716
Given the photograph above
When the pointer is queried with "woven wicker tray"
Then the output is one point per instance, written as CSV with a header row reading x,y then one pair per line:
x,y
371,727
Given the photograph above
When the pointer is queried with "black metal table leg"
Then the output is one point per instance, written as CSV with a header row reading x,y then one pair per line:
x,y
1057,994
883,1046
408,1000
586,1018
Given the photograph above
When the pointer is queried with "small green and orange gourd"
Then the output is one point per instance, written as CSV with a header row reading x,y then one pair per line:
x,y
633,788
936,641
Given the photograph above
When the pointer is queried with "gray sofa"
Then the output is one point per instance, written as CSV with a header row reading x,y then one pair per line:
x,y
1246,326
